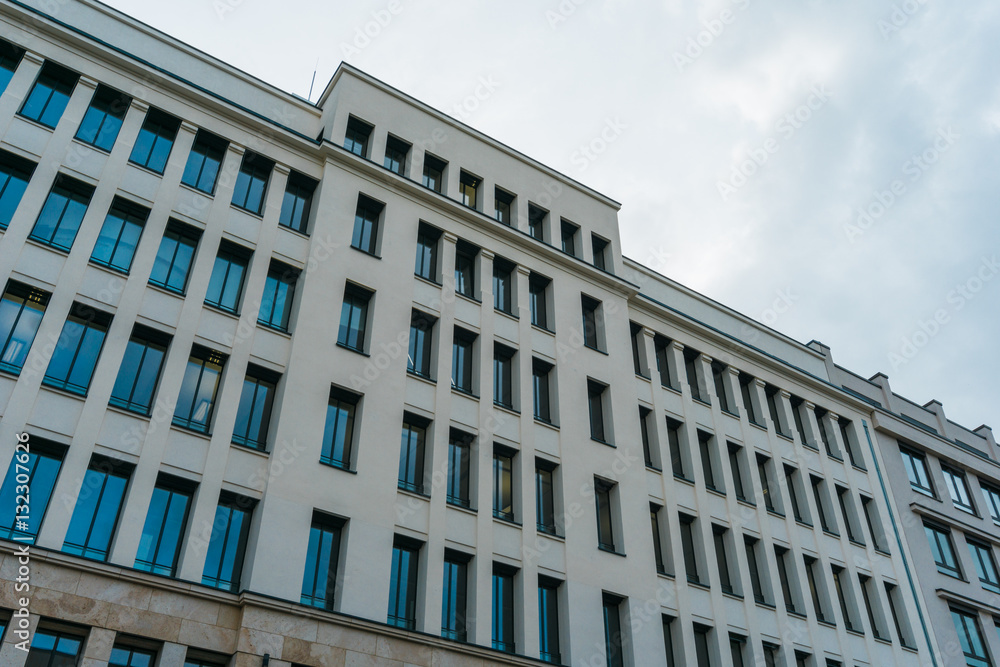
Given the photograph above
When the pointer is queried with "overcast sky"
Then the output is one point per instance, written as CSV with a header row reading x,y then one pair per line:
x,y
746,139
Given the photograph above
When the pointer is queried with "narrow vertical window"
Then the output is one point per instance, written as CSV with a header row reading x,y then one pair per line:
x,y
104,117
674,436
62,213
654,521
748,385
199,388
354,318
600,247
166,521
691,363
766,487
227,546
279,292
462,360
840,584
605,521
403,583
781,557
503,483
638,342
719,376
536,222
296,204
74,359
204,162
706,446
664,362
455,596
722,558
702,642
970,637
366,225
421,344
465,269
120,235
688,547
916,469
750,544
428,247
15,172
172,265
814,589
503,285
319,580
459,455
569,233
591,322
596,403
958,489
648,445
411,455
225,287
503,376
95,517
433,177
736,468
541,378
253,415
155,141
338,431
545,510
41,467
396,151
503,206
139,372
10,58
614,638
468,189
538,287
792,481
548,620
357,136
49,95
819,495
503,608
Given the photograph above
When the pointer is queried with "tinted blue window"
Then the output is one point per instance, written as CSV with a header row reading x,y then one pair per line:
x,y
41,468
10,57
251,182
198,389
159,545
202,169
173,259
139,371
53,649
338,434
62,213
354,318
119,236
21,310
548,622
365,236
224,563
156,139
453,606
403,585
122,656
503,610
49,96
104,117
297,202
411,457
279,289
15,172
319,582
226,284
253,417
75,357
96,514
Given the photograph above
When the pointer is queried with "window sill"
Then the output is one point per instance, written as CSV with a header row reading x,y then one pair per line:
x,y
746,503
415,492
830,533
864,470
40,243
255,214
429,281
762,427
672,388
645,378
776,513
297,232
278,330
121,409
36,123
553,533
365,252
861,545
701,401
473,299
924,492
544,330
765,605
883,640
805,524
733,596
666,575
225,311
607,550
206,435
252,450
421,377
111,269
653,468
715,492
191,188
796,614
953,575
507,408
826,623
811,446
784,437
698,584
595,349
734,415
466,507
167,290
883,552
337,466
142,167
352,349
856,633
546,423
683,479
463,392
510,521
68,393
833,456
509,315
603,442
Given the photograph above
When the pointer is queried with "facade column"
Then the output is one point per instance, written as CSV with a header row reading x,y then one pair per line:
x,y
19,86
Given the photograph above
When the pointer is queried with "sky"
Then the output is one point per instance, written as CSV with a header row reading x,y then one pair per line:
x,y
828,168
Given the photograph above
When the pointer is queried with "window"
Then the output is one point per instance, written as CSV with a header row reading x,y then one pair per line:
x,y
15,172
199,389
548,620
986,566
737,646
95,516
354,318
338,431
103,119
226,284
251,182
434,173
538,287
411,455
403,583
874,524
970,637
819,495
366,223
874,617
702,652
781,557
664,365
595,401
63,211
319,581
455,598
428,244
396,151
798,405
297,202
958,489
253,416
49,95
814,590
750,544
503,483
503,375
766,488
898,617
719,373
536,222
613,636
840,584
357,136
829,444
119,235
691,363
462,359
591,325
541,378
705,447
748,389
605,523
847,511
465,269
943,550
228,543
600,247
503,608
771,652
992,497
792,482
851,443
10,58
163,532
654,520
674,436
638,342
569,233
41,466
172,265
126,656
75,356
802,659
204,161
421,344
545,508
279,291
722,559
468,189
668,640
736,468
503,285
772,394
52,648
156,139
688,547
139,372
459,455
503,203
647,444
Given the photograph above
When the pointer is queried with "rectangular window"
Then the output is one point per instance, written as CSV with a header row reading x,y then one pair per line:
x,y
691,364
503,608
958,489
847,512
10,58
39,469
548,620
819,495
781,558
199,389
736,468
916,469
772,394
127,656
119,235
705,447
456,596
503,483
155,141
647,443
986,565
851,443
15,172
279,291
702,652
172,265
591,322
338,431
468,189
792,482
253,416
605,522
873,618
654,521
228,274
538,287
541,378
63,211
638,342
970,637
814,589
600,247
748,385
357,135
78,349
411,454
737,647
465,269
943,550
874,523
798,405
462,360
719,373
992,497
403,583
52,648
840,583
396,151
898,618
166,522
503,285
434,173
49,95
354,318
503,376
569,233
421,345
674,436
104,117
428,247
204,162
766,488
459,455
503,206
95,517
668,640
771,652
688,547
366,225
722,558
251,183
319,580
297,202
663,359
828,444
613,636
756,583
228,543
595,401
545,507
536,222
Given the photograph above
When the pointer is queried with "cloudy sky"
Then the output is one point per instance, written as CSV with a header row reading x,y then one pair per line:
x,y
843,156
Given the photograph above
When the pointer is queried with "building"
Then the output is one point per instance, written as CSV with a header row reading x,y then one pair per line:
x,y
257,437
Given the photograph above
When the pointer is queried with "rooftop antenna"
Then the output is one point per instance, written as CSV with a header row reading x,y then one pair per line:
x,y
313,82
